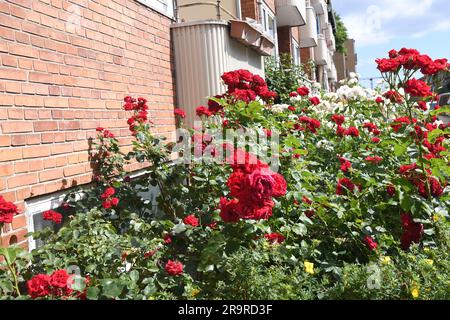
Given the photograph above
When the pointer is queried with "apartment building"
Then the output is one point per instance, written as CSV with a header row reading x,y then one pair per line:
x,y
346,62
66,65
212,37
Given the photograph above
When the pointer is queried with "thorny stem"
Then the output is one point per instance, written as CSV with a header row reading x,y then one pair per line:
x,y
13,272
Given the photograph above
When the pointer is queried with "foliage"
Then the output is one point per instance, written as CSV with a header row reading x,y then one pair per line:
x,y
284,76
341,34
356,186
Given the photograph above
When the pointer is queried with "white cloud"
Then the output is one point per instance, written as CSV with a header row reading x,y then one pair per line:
x,y
378,22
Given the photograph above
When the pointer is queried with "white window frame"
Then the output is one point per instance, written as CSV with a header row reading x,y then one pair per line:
x,y
296,52
164,7
266,13
41,204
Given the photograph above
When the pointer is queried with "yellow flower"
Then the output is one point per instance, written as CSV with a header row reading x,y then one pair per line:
x,y
309,267
415,293
426,249
429,261
436,217
195,292
386,260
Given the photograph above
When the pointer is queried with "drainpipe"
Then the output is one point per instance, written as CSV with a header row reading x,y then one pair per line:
x,y
175,9
218,10
239,9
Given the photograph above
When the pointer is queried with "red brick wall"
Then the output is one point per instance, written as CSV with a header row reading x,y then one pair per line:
x,y
59,81
250,8
284,39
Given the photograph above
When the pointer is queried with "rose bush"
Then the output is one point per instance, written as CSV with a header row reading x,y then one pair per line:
x,y
354,192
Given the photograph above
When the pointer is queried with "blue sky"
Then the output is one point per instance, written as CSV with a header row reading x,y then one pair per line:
x,y
381,25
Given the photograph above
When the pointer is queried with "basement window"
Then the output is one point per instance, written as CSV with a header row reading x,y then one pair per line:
x,y
163,6
36,206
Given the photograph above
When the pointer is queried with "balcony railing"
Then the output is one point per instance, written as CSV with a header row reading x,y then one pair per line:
x,y
217,5
308,32
290,13
321,56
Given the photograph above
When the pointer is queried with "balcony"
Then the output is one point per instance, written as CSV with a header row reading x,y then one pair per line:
x,y
321,55
329,35
319,6
308,32
290,13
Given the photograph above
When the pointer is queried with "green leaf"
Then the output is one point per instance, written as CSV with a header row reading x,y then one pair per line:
x,y
92,293
112,288
444,109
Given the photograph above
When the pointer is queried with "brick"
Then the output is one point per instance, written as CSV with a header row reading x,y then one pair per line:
x,y
28,101
22,50
6,170
19,221
22,180
40,126
62,148
36,152
13,87
15,114
48,175
9,61
31,114
16,126
19,140
74,170
13,74
41,77
8,154
5,141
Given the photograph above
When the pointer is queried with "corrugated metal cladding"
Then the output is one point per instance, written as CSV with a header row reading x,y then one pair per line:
x,y
201,52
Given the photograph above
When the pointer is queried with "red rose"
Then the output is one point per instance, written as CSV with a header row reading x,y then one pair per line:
x,y
167,239
252,211
412,231
352,131
374,160
179,113
191,220
107,204
314,100
228,210
291,108
375,140
59,279
345,184
110,191
114,202
340,131
303,91
99,129
7,211
39,286
202,111
371,244
417,88
174,268
258,186
379,100
345,164
274,238
293,94
51,215
338,119
280,186
390,189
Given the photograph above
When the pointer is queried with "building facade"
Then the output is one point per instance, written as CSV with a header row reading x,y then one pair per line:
x,y
65,67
